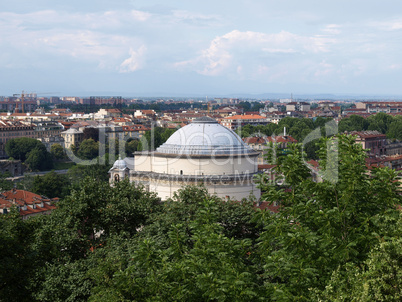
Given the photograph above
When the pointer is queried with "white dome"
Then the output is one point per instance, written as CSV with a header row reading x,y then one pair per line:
x,y
204,136
119,164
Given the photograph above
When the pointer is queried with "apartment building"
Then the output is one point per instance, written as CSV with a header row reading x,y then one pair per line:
x,y
236,121
13,129
71,137
376,107
297,106
374,141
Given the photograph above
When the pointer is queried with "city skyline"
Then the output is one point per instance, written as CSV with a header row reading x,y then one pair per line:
x,y
210,48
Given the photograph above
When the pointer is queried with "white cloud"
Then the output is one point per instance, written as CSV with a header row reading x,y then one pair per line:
x,y
135,62
140,16
195,19
333,29
240,48
388,25
35,37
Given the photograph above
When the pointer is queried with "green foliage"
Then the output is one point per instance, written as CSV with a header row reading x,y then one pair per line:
x,y
84,222
298,128
57,151
5,184
382,122
17,260
66,282
39,159
353,123
154,138
324,225
51,185
19,148
395,129
378,279
78,173
331,241
132,146
30,151
88,149
196,261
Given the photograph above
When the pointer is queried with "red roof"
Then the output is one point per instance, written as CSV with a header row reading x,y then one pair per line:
x,y
136,127
148,112
281,139
113,110
314,163
255,140
368,134
244,117
265,167
25,196
28,203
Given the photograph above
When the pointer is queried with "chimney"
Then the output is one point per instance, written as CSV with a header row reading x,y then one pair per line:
x,y
284,131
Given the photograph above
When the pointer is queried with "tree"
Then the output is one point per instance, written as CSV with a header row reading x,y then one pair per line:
x,y
131,147
379,279
17,259
380,122
325,225
353,123
39,159
88,149
154,138
57,151
51,185
18,148
335,240
5,184
395,129
91,133
195,260
78,173
87,220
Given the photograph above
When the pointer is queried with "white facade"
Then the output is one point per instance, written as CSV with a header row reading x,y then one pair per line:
x,y
201,152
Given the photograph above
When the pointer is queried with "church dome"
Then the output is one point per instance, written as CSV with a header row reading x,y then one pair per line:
x,y
204,136
119,164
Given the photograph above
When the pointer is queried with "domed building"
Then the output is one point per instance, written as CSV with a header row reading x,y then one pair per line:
x,y
203,152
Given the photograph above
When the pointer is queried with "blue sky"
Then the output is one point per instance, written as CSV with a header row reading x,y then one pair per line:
x,y
201,47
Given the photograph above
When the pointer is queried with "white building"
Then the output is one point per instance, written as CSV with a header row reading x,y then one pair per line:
x,y
203,152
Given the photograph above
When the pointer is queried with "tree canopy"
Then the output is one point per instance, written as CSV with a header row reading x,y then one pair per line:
x,y
30,151
335,240
57,152
88,149
382,122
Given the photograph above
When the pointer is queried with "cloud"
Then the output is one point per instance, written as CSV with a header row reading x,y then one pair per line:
x,y
236,48
39,36
333,29
140,16
195,19
387,25
135,61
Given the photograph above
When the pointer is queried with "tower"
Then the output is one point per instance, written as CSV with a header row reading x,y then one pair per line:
x,y
119,171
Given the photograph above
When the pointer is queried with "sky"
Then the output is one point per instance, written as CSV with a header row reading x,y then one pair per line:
x,y
211,48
